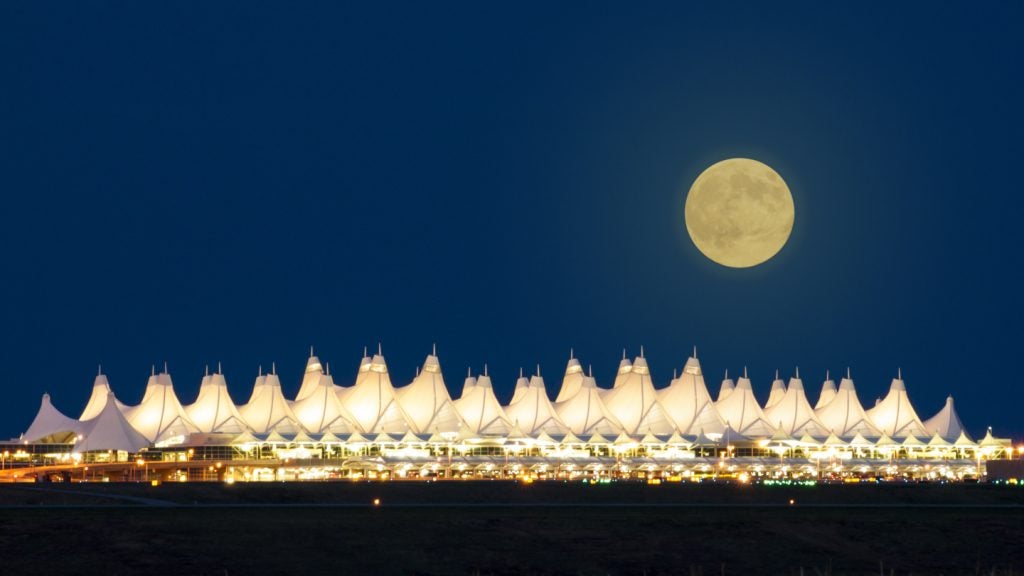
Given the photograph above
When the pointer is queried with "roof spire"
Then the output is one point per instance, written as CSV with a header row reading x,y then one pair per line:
x,y
538,370
435,349
590,370
623,353
152,370
273,368
520,371
695,351
675,373
744,371
485,369
366,351
776,373
469,372
311,351
572,353
641,350
327,367
380,351
165,366
206,370
848,373
219,371
899,373
417,371
827,375
726,374
259,371
797,372
99,369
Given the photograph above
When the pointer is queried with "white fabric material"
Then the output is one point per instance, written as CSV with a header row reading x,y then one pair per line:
x,y
688,402
634,402
533,413
160,415
310,378
426,403
320,411
268,410
741,411
777,392
946,422
726,388
214,411
793,413
481,411
844,416
372,402
98,398
110,430
828,392
50,422
572,381
895,416
585,413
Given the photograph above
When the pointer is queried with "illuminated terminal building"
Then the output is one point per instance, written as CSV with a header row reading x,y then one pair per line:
x,y
371,429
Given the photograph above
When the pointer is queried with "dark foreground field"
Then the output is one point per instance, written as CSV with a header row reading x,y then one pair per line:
x,y
505,528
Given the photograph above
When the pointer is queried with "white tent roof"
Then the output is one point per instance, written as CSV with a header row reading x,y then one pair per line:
x,y
481,411
110,430
777,392
426,403
793,412
572,381
946,422
688,403
311,377
585,413
845,415
533,413
372,402
213,410
625,367
160,416
726,388
468,383
894,415
741,411
98,399
634,402
51,423
828,391
268,410
320,411
522,384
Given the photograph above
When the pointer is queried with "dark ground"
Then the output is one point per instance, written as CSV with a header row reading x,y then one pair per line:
x,y
507,528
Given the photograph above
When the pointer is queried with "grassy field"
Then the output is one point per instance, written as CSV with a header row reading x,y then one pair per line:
x,y
506,528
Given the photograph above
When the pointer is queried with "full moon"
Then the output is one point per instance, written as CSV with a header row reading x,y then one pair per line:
x,y
739,212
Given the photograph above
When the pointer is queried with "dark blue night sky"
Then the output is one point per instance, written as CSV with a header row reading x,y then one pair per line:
x,y
236,181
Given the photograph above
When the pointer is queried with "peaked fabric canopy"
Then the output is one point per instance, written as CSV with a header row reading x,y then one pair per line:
x,y
845,416
794,414
426,402
726,388
481,411
372,402
828,392
268,410
110,430
946,422
894,415
311,377
320,411
741,411
533,413
572,381
522,384
688,403
777,392
50,423
98,398
160,416
213,410
634,402
585,412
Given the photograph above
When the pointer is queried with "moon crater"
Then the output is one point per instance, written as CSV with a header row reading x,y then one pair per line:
x,y
739,212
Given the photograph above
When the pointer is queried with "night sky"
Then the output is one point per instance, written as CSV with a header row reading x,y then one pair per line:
x,y
233,182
